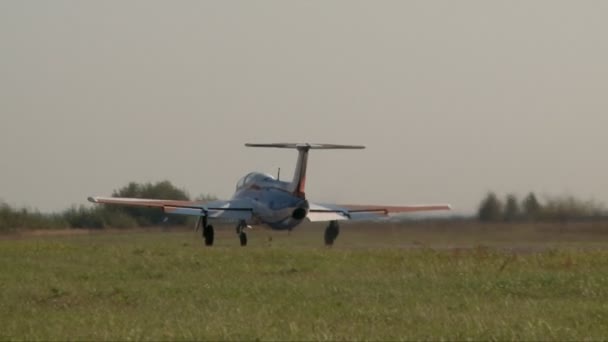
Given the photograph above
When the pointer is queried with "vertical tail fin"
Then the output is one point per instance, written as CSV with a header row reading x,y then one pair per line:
x,y
299,175
298,183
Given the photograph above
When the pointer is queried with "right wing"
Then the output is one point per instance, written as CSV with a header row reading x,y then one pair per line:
x,y
233,209
333,212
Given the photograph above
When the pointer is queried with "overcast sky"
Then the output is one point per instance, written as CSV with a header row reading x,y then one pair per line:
x,y
452,98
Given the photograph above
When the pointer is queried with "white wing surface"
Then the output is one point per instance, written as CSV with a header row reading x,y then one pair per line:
x,y
331,212
233,209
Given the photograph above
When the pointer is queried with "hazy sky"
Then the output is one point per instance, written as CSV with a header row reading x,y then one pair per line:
x,y
452,98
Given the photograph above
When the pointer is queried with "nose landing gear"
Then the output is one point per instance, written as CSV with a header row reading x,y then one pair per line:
x,y
331,233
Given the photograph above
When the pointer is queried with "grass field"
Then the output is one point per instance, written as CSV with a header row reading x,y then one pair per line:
x,y
383,282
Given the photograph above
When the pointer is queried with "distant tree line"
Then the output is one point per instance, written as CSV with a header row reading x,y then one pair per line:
x,y
102,216
493,209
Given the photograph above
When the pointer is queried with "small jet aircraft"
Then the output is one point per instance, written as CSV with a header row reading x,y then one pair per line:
x,y
262,199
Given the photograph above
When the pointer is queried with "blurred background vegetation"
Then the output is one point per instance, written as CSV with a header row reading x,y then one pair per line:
x,y
492,208
103,216
530,209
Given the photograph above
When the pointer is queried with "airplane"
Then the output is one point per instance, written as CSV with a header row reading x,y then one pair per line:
x,y
261,199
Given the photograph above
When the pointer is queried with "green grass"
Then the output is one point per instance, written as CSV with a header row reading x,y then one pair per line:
x,y
398,284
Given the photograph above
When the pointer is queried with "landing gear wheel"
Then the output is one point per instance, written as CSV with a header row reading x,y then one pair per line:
x,y
240,231
331,233
208,235
243,238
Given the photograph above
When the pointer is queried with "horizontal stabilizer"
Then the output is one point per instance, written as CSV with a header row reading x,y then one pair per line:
x,y
309,146
298,183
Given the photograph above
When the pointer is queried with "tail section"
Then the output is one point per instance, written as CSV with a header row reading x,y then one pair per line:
x,y
299,177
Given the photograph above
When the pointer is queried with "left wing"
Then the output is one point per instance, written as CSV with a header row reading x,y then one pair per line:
x,y
332,212
233,209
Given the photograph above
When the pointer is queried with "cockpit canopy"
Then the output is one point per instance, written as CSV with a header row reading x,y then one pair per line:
x,y
253,177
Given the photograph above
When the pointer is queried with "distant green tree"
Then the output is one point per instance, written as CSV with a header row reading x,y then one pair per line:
x,y
566,208
205,198
83,217
531,207
150,216
490,208
97,217
512,211
102,216
13,219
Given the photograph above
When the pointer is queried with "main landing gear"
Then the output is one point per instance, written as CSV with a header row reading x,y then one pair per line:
x,y
207,231
331,233
240,230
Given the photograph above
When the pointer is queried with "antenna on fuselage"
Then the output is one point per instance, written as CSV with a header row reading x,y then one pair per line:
x,y
279,174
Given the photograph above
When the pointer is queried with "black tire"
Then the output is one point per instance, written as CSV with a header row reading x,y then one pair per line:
x,y
208,235
331,233
243,239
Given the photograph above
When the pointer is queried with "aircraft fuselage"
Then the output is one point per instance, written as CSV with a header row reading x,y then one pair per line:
x,y
273,204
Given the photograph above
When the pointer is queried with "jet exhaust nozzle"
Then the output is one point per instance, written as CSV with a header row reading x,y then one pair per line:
x,y
299,213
